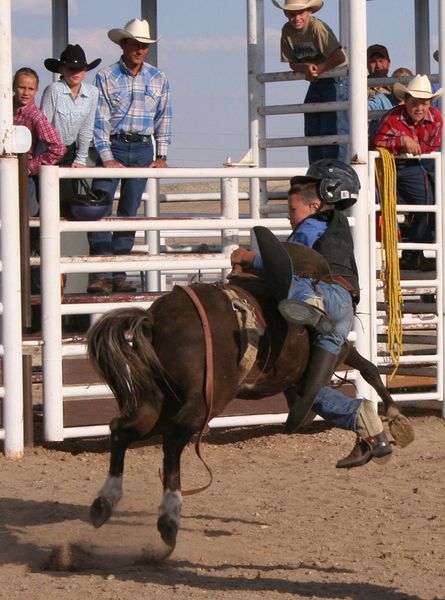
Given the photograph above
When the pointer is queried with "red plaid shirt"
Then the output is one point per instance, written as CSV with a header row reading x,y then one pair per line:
x,y
41,130
397,124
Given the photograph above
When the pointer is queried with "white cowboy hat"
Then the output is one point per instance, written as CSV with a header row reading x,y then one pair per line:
x,y
136,29
418,87
300,5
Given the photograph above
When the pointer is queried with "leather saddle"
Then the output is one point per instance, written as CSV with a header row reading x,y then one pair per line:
x,y
282,260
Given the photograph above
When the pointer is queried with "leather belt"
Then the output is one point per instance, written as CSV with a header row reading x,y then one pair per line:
x,y
130,138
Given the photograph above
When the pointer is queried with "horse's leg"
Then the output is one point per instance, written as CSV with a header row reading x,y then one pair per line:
x,y
111,492
175,438
399,425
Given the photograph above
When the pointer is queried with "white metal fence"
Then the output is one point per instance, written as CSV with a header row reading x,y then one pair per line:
x,y
229,224
53,265
412,322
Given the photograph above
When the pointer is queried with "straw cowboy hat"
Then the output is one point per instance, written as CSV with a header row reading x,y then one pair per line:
x,y
314,5
136,29
72,57
418,87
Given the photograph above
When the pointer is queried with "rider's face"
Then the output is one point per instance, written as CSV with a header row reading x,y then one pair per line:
x,y
299,208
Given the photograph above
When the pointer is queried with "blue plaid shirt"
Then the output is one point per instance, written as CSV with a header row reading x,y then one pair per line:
x,y
132,104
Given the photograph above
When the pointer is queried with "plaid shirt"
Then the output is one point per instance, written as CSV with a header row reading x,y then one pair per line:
x,y
132,104
41,131
397,124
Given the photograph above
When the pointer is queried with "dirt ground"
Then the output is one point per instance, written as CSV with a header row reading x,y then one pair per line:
x,y
279,521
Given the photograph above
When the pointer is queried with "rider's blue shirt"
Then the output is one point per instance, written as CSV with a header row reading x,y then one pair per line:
x,y
307,233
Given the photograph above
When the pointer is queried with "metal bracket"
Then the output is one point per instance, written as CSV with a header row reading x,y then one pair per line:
x,y
15,140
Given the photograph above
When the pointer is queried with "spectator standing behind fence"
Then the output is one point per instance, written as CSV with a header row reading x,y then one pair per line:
x,y
310,47
133,119
435,86
70,105
414,127
25,85
378,67
47,148
385,101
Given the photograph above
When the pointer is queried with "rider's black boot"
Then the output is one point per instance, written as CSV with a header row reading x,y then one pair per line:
x,y
317,375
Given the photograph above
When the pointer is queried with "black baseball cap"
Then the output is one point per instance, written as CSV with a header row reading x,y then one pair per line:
x,y
378,49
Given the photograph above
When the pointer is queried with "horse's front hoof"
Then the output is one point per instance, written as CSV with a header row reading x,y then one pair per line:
x,y
168,529
401,430
100,511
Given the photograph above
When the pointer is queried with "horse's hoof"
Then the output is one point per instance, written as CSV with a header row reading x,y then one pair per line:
x,y
168,529
100,511
401,430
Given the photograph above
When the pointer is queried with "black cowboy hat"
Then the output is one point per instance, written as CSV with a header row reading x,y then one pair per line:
x,y
73,57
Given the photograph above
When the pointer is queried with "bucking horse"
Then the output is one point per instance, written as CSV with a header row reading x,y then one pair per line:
x,y
174,367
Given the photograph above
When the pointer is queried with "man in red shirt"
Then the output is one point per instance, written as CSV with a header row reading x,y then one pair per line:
x,y
414,128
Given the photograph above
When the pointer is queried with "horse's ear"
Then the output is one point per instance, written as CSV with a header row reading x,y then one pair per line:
x,y
277,263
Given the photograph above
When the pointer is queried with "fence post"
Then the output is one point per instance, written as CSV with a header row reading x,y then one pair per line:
x,y
359,153
152,278
257,98
230,210
50,275
11,314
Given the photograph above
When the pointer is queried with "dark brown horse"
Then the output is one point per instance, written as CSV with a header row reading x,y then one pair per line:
x,y
157,364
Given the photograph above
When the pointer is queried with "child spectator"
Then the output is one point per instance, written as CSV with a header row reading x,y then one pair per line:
x,y
70,105
310,47
384,101
25,85
414,127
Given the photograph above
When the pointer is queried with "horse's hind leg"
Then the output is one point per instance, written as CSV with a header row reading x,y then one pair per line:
x,y
111,492
175,438
399,425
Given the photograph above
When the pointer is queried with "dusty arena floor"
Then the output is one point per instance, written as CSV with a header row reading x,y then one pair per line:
x,y
279,521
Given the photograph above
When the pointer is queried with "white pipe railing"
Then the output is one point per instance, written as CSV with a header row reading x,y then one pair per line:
x,y
11,326
413,321
53,264
228,224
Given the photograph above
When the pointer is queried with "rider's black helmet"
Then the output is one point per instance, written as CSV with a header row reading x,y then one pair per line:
x,y
338,183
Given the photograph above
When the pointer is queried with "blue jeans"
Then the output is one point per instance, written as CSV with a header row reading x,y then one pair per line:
x,y
105,243
336,408
415,185
321,123
338,305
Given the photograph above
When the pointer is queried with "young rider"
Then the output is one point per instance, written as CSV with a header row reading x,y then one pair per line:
x,y
325,305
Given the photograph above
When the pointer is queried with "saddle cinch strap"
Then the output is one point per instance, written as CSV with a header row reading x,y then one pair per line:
x,y
250,329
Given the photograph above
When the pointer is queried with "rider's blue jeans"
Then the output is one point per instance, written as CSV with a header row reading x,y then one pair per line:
x,y
336,408
105,243
338,306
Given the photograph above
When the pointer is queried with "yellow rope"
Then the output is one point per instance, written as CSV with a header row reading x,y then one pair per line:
x,y
390,271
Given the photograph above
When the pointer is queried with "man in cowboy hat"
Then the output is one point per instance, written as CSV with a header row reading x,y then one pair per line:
x,y
132,129
415,128
310,47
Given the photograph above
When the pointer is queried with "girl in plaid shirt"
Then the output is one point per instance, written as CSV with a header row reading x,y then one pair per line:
x,y
26,112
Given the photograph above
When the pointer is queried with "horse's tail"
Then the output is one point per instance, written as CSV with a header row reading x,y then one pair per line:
x,y
120,348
